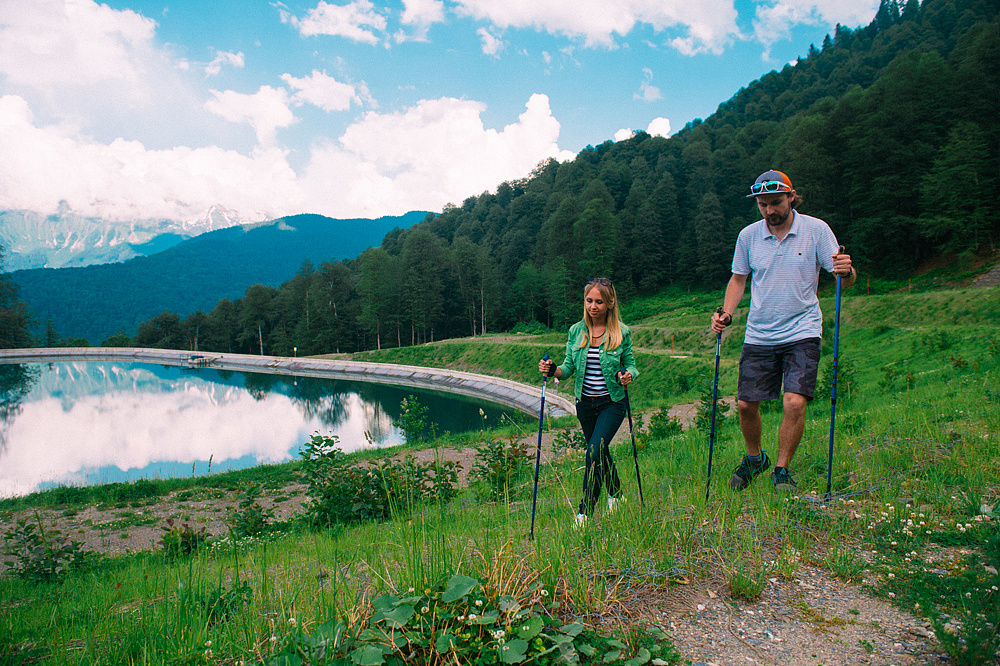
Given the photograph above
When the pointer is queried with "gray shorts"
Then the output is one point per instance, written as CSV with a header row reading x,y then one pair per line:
x,y
764,367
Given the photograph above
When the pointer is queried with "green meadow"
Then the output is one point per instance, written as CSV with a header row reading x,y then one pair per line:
x,y
393,563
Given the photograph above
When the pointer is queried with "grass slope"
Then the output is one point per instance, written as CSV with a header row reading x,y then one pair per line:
x,y
915,514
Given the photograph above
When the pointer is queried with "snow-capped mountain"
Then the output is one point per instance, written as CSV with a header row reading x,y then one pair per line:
x,y
65,239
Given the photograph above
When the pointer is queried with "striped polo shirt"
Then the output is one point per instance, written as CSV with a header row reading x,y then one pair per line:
x,y
784,276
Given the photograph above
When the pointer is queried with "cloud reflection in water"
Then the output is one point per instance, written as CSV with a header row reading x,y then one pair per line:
x,y
85,417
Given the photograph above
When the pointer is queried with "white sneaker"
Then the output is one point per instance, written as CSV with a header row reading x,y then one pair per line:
x,y
581,520
615,503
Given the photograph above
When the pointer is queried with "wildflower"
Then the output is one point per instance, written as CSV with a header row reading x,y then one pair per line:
x,y
410,590
472,616
479,602
292,622
545,593
892,595
892,575
968,595
274,639
425,609
208,644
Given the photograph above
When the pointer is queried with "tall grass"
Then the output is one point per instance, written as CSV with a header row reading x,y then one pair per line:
x,y
916,439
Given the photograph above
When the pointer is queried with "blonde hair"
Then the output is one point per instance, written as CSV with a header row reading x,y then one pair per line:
x,y
613,323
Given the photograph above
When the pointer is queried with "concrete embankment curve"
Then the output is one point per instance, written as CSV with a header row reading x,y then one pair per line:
x,y
523,397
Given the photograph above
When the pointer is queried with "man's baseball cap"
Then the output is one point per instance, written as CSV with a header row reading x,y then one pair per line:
x,y
771,182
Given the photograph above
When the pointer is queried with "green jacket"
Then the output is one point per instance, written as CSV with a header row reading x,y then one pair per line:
x,y
612,362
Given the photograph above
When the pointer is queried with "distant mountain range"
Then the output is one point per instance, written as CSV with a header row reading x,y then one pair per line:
x,y
34,240
95,302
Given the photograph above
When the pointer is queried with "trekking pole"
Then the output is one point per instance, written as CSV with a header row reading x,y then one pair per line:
x,y
715,393
635,453
833,392
538,453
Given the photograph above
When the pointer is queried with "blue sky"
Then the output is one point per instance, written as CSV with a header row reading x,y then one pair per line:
x,y
142,109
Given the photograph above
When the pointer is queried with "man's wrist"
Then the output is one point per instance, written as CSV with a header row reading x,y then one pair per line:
x,y
728,318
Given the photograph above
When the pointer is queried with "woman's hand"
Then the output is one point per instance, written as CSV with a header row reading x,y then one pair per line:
x,y
624,378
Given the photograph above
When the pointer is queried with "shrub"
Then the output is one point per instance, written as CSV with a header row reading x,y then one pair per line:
x,y
342,491
250,519
662,425
41,555
499,467
181,540
703,419
413,421
567,440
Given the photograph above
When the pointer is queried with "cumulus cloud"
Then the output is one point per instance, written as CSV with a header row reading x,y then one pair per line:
x,y
492,46
435,152
265,110
659,127
224,58
709,25
326,92
623,134
357,21
123,180
773,22
647,91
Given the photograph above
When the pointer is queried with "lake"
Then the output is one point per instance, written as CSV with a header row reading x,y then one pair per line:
x,y
86,423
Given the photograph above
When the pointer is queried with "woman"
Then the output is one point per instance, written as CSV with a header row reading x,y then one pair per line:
x,y
599,350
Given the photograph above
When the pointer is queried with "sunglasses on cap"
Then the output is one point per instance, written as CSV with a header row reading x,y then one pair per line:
x,y
603,281
768,187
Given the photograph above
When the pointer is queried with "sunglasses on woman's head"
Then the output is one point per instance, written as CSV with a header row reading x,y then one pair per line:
x,y
604,281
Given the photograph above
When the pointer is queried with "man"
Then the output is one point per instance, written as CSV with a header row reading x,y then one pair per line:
x,y
782,254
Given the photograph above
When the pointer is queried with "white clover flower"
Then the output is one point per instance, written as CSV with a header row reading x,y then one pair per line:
x,y
208,644
892,595
472,616
425,609
545,593
892,575
479,602
292,622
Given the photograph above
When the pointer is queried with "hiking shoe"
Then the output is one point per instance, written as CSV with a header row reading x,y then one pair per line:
x,y
744,475
782,480
615,503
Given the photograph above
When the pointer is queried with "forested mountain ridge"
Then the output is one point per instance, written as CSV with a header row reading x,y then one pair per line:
x,y
95,302
889,132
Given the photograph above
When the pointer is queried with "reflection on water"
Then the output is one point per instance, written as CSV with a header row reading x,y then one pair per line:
x,y
85,423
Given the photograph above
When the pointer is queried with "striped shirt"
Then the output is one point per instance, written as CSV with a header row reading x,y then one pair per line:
x,y
593,379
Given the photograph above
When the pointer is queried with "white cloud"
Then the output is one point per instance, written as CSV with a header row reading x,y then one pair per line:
x,y
623,134
357,21
659,127
492,46
422,13
265,110
433,153
46,42
224,58
325,92
123,180
774,22
647,91
710,25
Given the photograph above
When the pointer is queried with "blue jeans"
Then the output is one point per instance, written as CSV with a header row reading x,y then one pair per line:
x,y
600,419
